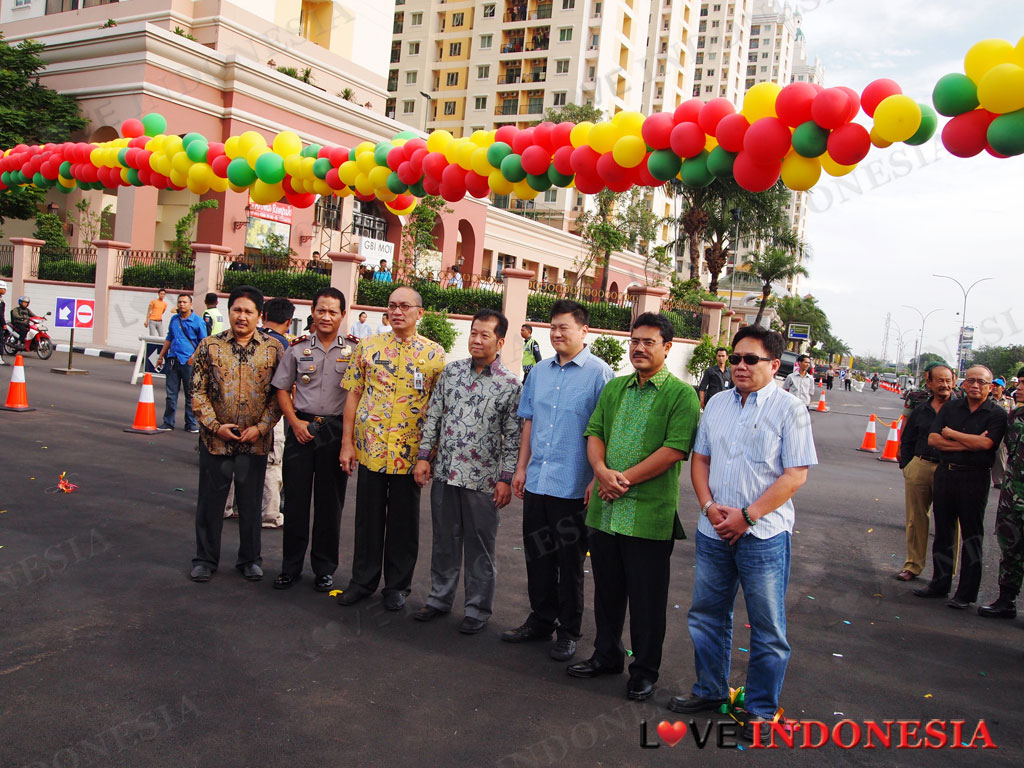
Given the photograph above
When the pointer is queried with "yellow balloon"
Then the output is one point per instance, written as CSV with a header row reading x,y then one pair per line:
x,y
402,211
379,176
348,171
451,149
385,195
897,118
321,187
366,162
218,184
800,173
265,194
249,140
195,187
363,185
438,140
307,168
66,183
201,173
232,147
580,134
878,141
482,138
759,101
1001,90
236,188
478,162
629,123
96,157
464,155
629,151
986,54
832,168
181,163
710,143
287,143
178,178
363,146
343,192
499,184
524,191
398,142
172,145
293,165
603,137
253,154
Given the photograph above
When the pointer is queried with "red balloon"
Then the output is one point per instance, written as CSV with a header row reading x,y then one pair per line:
x,y
624,184
768,139
793,104
688,111
140,142
286,185
407,174
452,194
849,144
831,107
324,151
396,156
712,112
402,202
333,180
589,183
430,185
610,172
507,134
434,164
561,132
563,160
476,185
413,144
338,156
854,102
687,139
754,176
132,128
535,160
876,92
302,200
966,135
657,129
584,161
220,166
642,177
730,132
158,180
416,159
146,177
371,197
522,140
542,136
453,177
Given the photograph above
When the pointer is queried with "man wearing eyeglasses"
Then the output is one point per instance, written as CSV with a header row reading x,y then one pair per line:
x,y
389,382
640,432
752,453
966,433
716,378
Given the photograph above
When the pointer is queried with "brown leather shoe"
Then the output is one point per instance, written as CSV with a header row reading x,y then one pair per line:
x,y
905,575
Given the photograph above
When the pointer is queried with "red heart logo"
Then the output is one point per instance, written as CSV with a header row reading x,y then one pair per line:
x,y
671,733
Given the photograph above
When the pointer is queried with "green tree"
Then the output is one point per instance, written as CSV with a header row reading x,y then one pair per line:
x,y
574,113
437,327
772,266
796,309
31,114
418,232
1002,361
703,356
620,221
50,229
608,349
183,229
89,223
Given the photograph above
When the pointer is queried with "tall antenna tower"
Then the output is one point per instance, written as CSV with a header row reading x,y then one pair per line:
x,y
885,337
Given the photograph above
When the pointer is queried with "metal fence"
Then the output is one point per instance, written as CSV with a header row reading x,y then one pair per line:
x,y
7,260
66,264
274,275
155,269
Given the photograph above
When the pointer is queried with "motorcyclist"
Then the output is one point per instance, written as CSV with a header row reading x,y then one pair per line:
x,y
20,317
3,316
874,383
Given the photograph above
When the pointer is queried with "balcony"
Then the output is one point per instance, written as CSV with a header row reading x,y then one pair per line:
x,y
508,108
515,13
538,44
536,77
513,45
509,78
543,12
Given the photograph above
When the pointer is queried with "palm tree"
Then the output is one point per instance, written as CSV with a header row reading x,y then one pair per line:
x,y
772,266
796,309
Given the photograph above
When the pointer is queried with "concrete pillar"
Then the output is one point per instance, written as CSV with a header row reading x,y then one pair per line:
x,y
736,322
345,277
513,306
26,265
711,318
646,298
207,275
107,252
136,217
724,334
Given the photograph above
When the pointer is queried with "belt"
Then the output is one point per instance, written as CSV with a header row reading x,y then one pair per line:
x,y
928,459
317,419
963,467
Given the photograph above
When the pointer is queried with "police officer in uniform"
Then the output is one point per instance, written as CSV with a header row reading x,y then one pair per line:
x,y
314,364
212,316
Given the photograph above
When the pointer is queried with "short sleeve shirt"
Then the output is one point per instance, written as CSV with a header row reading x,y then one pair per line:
x,y
957,415
316,373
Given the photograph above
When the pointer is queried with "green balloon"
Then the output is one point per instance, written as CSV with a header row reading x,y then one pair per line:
x,y
82,184
955,94
321,167
188,138
39,180
929,124
154,123
406,135
311,151
133,178
810,139
239,172
417,189
1006,133
5,178
663,164
559,179
197,150
512,168
497,152
694,172
395,184
720,163
63,189
65,169
122,156
541,183
380,152
269,168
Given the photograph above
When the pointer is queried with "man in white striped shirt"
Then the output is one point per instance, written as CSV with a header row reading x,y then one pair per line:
x,y
753,448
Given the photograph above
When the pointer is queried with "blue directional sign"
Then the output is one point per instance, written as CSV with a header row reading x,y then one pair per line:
x,y
65,316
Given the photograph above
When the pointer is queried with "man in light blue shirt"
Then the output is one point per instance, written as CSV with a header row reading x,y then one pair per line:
x,y
553,477
754,446
184,333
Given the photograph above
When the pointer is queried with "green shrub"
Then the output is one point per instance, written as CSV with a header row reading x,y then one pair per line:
x,y
163,274
703,356
437,327
292,285
457,301
686,326
67,270
608,349
50,229
604,316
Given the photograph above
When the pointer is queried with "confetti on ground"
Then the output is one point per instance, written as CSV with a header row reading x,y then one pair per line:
x,y
810,597
747,626
871,530
983,674
180,490
838,655
897,617
845,621
744,650
64,484
740,747
796,531
335,592
676,606
629,652
842,714
878,594
31,478
517,549
928,696
45,447
2,511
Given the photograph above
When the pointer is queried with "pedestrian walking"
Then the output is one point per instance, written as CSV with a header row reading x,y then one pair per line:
x,y
184,332
800,383
155,314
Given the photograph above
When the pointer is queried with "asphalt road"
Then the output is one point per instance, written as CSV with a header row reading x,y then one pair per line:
x,y
109,655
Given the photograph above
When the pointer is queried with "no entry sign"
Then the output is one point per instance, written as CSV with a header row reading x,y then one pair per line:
x,y
74,313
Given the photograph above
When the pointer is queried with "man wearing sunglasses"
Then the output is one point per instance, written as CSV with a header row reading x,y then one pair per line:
x,y
753,449
966,433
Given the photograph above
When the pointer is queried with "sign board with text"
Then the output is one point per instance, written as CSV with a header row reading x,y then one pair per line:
x,y
374,250
801,331
74,313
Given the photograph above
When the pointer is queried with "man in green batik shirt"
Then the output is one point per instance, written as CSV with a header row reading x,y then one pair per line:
x,y
642,429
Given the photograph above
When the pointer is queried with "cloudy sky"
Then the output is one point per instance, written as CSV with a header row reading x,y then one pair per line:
x,y
880,233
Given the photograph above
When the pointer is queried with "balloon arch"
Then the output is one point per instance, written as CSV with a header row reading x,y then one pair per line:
x,y
793,133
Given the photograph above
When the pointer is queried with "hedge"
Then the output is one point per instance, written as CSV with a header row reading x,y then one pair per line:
x,y
456,301
277,282
67,270
603,316
163,274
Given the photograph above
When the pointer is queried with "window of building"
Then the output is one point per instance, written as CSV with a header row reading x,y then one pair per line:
x,y
559,98
568,5
449,107
715,24
483,71
486,41
698,74
704,10
595,40
457,19
752,57
702,27
451,79
717,7
696,91
488,11
708,89
396,52
597,9
565,34
755,43
416,19
414,49
454,49
711,73
408,107
410,77
700,42
591,72
562,67
550,195
764,69
480,102
714,41
712,56
700,58
755,29
764,55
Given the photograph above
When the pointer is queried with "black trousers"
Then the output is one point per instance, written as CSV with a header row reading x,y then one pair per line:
x,y
215,475
959,497
634,571
311,472
387,530
555,545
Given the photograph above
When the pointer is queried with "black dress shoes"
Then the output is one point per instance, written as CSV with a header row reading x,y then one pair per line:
x,y
639,688
929,591
563,649
352,595
471,626
285,581
524,634
252,572
323,583
960,605
1000,609
693,703
201,573
427,613
591,668
393,601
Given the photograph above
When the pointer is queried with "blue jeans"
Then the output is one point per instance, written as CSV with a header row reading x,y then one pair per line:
x,y
178,373
761,567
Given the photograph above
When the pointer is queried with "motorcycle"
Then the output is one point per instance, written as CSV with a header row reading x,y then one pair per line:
x,y
36,340
874,385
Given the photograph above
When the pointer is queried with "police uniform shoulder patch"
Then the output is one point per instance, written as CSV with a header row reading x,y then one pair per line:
x,y
298,340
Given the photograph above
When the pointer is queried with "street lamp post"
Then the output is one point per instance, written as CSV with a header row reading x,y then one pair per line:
x,y
920,342
426,109
963,319
735,252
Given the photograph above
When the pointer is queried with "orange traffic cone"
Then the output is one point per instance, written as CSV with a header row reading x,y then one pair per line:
x,y
869,443
17,394
145,412
892,443
822,407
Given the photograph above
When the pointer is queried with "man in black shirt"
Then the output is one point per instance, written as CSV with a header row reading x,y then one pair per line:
x,y
918,460
966,433
716,378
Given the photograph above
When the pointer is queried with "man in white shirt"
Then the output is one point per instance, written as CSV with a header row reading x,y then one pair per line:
x,y
385,324
800,383
362,329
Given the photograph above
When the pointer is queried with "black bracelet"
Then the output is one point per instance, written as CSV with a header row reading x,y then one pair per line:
x,y
746,517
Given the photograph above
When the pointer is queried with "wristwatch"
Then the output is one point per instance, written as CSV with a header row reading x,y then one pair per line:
x,y
706,507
